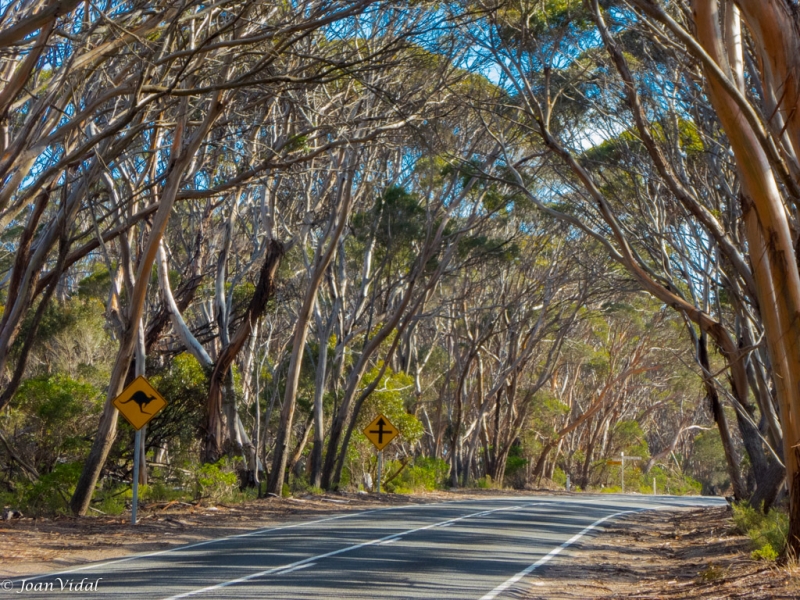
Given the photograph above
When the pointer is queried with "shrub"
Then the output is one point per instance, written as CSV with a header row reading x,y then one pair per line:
x,y
56,411
768,532
426,473
516,468
559,476
50,494
215,481
485,482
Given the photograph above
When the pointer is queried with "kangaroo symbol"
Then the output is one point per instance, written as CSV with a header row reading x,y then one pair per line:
x,y
141,399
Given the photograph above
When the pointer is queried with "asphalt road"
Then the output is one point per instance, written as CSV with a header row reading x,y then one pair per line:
x,y
472,549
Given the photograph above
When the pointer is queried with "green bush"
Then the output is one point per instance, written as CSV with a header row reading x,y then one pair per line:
x,y
516,468
424,474
768,532
766,552
50,494
215,481
669,482
54,412
559,477
485,482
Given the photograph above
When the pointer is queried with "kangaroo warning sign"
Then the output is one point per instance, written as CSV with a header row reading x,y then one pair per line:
x,y
380,432
139,402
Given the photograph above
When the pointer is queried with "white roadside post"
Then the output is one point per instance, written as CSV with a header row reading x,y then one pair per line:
x,y
654,486
622,471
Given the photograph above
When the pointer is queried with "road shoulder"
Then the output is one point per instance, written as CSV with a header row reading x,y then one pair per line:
x,y
680,554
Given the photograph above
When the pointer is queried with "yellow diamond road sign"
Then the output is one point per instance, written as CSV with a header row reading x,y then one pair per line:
x,y
380,432
139,402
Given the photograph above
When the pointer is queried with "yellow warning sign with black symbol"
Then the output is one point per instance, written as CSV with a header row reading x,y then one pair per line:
x,y
139,402
380,432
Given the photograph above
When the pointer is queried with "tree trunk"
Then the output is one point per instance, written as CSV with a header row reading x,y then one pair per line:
x,y
265,289
719,418
107,429
315,461
760,188
301,333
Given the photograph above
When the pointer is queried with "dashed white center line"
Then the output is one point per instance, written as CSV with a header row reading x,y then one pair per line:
x,y
285,568
297,568
389,541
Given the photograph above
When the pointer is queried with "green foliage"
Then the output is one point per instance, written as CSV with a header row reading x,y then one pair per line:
x,y
559,476
215,481
486,248
668,482
96,284
159,491
425,474
49,495
484,483
707,462
72,339
630,438
184,384
766,552
768,532
397,220
391,397
516,464
55,412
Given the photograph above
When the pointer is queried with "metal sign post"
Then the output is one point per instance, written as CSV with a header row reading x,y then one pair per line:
x,y
137,442
621,461
380,468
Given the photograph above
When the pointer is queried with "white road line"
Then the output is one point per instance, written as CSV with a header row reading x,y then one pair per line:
x,y
389,541
197,545
305,566
240,535
554,552
311,559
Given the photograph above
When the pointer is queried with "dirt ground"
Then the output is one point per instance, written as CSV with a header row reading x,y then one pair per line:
x,y
691,553
670,555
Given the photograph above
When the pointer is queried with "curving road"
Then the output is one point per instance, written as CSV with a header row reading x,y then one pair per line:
x,y
480,549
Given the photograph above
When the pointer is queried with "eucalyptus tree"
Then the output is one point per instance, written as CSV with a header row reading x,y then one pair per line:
x,y
152,97
557,79
753,89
